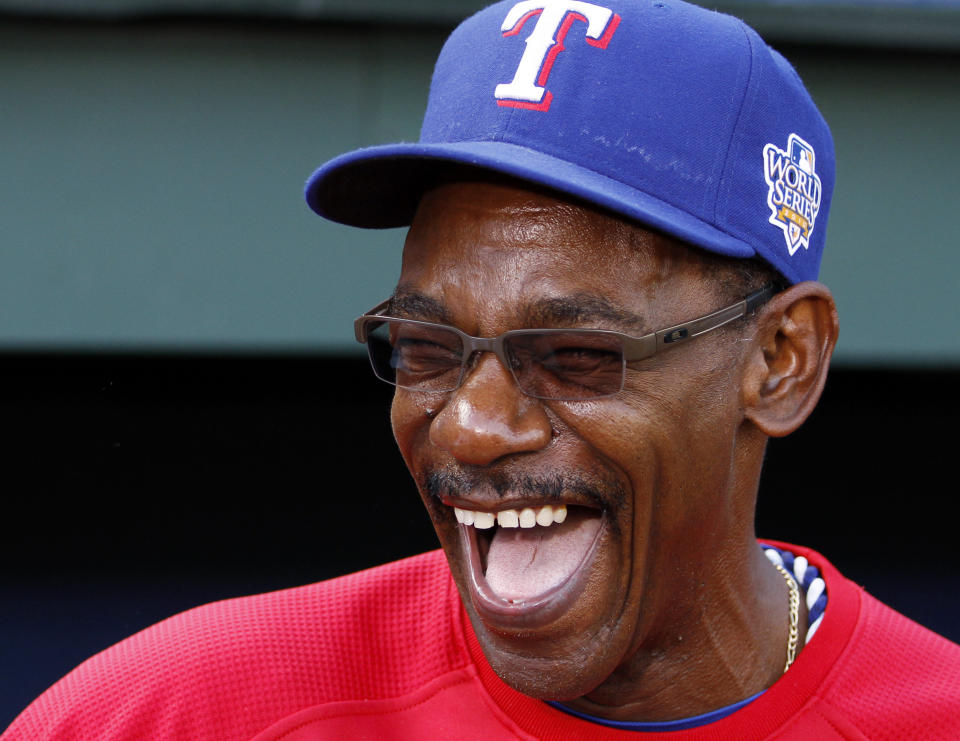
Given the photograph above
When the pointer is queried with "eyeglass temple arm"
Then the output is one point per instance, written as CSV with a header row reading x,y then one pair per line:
x,y
639,348
360,323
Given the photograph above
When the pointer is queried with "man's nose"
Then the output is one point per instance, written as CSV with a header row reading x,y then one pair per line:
x,y
489,417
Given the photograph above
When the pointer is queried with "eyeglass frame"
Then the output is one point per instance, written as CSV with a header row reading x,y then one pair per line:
x,y
635,348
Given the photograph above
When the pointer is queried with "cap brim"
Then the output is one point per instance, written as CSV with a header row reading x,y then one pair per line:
x,y
380,187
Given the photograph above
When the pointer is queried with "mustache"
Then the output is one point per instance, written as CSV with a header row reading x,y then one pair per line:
x,y
604,493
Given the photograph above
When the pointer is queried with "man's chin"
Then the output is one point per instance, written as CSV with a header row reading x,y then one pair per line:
x,y
544,670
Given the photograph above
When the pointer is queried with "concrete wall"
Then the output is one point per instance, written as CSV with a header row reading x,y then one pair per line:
x,y
150,178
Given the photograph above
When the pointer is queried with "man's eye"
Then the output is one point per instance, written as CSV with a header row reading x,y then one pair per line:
x,y
424,355
575,359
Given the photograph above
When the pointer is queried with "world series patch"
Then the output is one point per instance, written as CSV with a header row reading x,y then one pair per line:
x,y
794,190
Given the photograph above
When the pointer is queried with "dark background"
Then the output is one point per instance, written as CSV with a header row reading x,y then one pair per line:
x,y
138,486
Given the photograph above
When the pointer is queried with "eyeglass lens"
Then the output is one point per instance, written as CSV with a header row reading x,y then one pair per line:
x,y
548,365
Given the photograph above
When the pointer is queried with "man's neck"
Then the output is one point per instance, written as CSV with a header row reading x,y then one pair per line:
x,y
731,648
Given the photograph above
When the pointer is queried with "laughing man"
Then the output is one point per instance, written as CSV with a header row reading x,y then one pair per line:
x,y
607,305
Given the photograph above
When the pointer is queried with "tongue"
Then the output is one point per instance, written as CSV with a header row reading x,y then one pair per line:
x,y
523,563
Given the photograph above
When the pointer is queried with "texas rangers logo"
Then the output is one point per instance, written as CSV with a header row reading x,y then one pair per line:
x,y
794,194
528,87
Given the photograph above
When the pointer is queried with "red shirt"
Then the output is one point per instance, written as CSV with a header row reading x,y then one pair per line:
x,y
388,653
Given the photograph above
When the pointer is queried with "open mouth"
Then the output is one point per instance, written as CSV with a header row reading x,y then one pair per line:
x,y
529,559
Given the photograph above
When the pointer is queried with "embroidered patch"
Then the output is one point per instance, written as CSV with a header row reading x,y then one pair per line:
x,y
794,190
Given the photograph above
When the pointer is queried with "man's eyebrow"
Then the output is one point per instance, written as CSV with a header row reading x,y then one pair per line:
x,y
565,311
582,309
414,305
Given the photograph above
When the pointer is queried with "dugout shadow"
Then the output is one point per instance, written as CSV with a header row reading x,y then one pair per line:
x,y
140,485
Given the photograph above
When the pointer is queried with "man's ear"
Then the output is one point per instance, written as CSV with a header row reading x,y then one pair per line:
x,y
787,367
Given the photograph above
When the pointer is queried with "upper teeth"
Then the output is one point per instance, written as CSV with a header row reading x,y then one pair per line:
x,y
526,517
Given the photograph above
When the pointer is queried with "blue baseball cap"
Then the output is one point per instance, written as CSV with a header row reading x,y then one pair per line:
x,y
677,117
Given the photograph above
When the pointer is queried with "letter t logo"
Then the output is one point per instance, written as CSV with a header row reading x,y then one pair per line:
x,y
546,42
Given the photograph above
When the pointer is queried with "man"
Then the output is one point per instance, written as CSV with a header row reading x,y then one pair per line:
x,y
607,305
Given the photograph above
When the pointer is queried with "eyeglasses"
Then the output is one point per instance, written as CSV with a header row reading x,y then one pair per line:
x,y
557,364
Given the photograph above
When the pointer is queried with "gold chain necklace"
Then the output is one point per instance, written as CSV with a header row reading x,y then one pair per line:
x,y
794,636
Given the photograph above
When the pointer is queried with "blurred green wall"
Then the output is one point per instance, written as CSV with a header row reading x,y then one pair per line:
x,y
151,176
